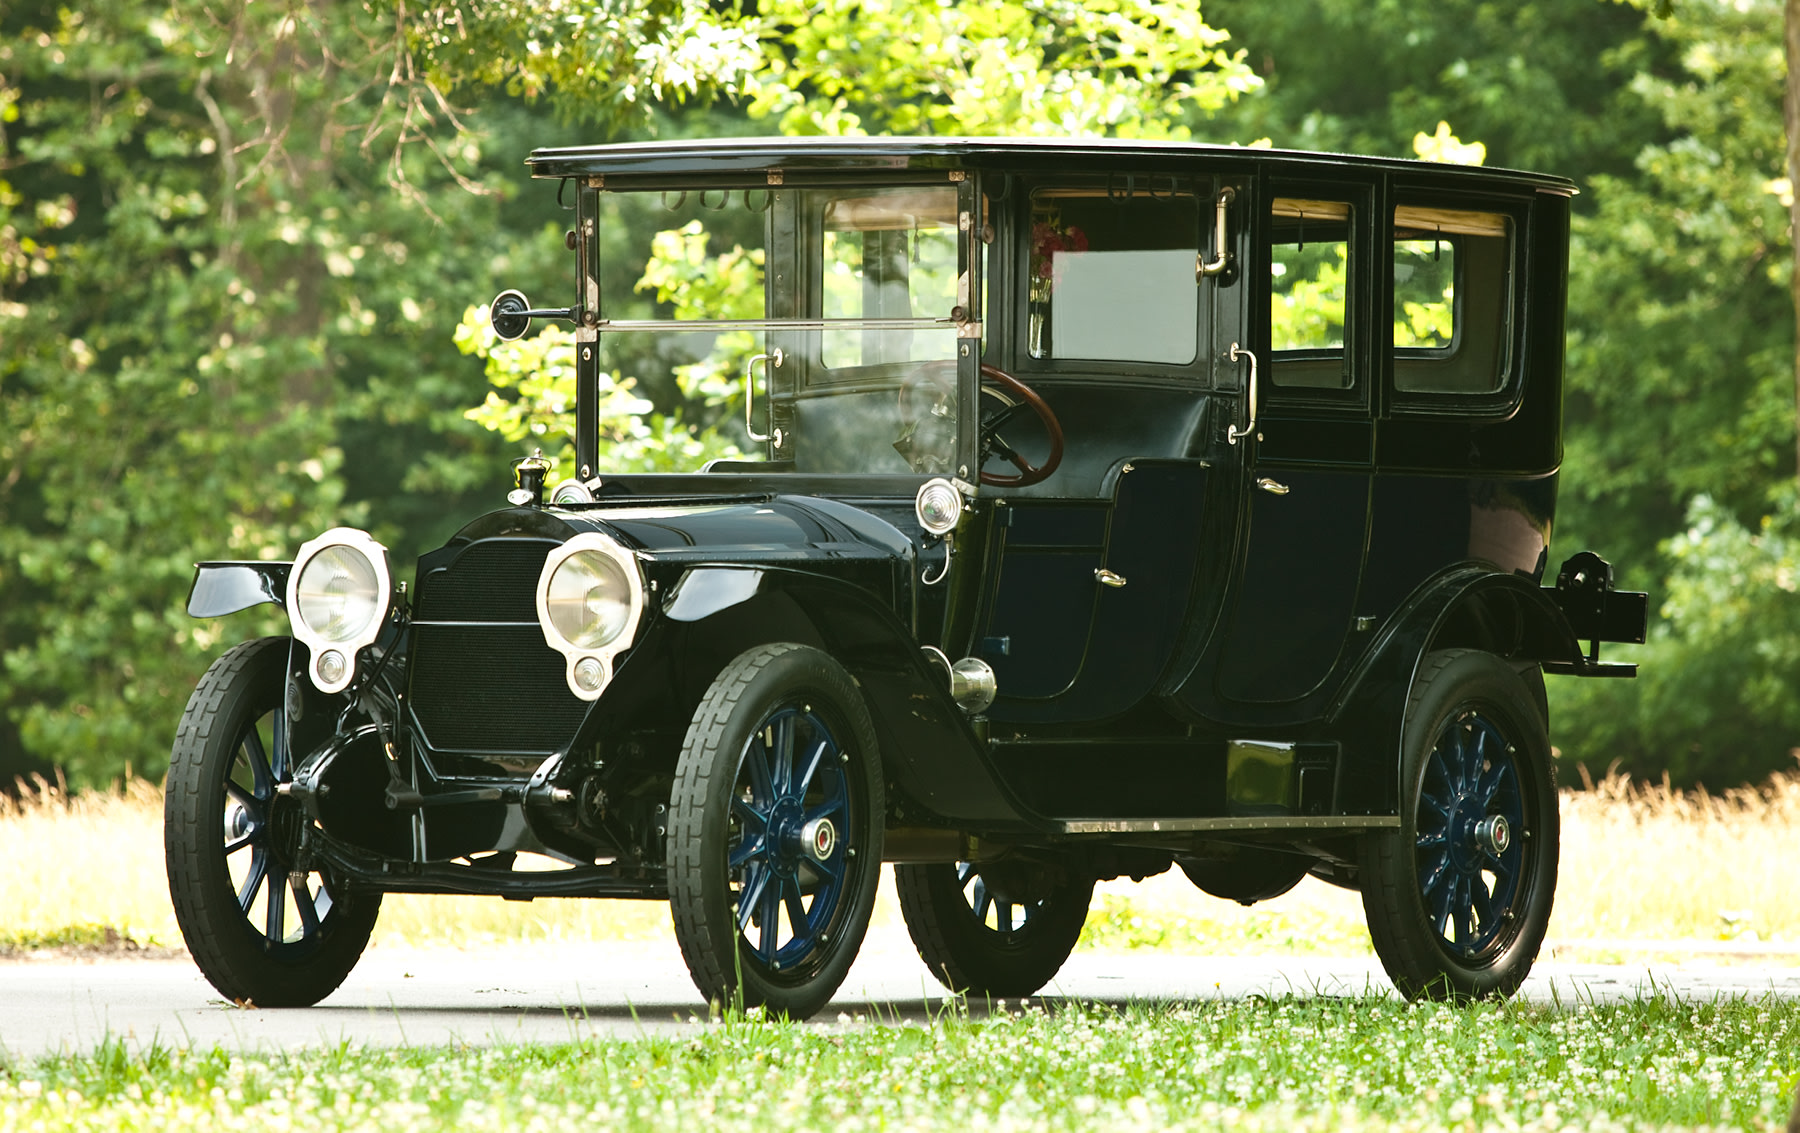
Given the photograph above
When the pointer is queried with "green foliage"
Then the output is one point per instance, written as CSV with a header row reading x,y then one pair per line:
x,y
1714,701
1032,67
537,377
210,291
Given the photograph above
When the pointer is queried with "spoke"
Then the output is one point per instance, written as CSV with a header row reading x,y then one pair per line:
x,y
1439,838
750,895
1475,754
1490,784
748,848
831,869
249,839
812,767
785,736
303,904
749,814
276,927
1482,900
770,911
756,761
1440,908
251,804
1465,933
1435,876
981,900
259,866
833,803
965,872
259,762
796,909
1003,915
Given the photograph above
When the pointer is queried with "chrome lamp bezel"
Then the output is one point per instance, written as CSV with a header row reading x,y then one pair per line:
x,y
574,654
317,644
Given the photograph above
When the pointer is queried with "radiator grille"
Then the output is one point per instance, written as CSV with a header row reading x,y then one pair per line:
x,y
493,686
493,581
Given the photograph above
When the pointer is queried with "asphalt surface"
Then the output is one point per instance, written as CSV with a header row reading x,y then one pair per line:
x,y
549,993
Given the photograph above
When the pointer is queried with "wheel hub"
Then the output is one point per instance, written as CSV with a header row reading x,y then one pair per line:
x,y
787,835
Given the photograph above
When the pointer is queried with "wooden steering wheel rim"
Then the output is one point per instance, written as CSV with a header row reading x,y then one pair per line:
x,y
1028,474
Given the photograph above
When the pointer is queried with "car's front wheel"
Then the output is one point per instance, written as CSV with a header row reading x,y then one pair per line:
x,y
774,835
1002,930
1459,896
263,923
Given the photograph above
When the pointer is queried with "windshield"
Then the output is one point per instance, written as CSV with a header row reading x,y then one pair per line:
x,y
822,322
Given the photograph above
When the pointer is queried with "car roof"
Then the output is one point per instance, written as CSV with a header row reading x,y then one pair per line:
x,y
647,164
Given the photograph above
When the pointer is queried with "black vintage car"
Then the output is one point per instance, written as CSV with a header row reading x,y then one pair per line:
x,y
1103,508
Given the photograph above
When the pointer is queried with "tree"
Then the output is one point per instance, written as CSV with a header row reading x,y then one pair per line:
x,y
219,276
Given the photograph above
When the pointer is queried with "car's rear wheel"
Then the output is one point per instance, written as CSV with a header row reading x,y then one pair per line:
x,y
263,923
774,837
1459,896
993,930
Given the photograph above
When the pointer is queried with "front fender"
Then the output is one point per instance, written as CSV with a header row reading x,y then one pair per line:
x,y
928,745
1467,606
222,588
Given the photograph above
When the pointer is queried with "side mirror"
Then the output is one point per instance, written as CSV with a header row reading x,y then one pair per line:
x,y
511,315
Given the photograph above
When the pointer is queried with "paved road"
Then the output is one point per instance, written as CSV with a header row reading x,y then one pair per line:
x,y
557,993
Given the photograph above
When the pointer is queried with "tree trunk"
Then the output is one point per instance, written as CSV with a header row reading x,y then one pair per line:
x,y
1790,114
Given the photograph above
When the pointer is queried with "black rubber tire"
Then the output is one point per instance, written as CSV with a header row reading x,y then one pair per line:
x,y
1466,688
968,955
754,689
244,687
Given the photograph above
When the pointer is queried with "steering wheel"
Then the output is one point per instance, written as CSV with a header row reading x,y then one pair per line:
x,y
990,440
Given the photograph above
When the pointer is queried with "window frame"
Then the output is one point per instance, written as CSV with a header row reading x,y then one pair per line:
x,y
1359,303
1505,397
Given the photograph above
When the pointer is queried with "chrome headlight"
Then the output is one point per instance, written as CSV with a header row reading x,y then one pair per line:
x,y
590,597
338,596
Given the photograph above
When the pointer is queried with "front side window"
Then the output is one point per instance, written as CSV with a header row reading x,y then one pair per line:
x,y
1111,276
1452,300
1309,293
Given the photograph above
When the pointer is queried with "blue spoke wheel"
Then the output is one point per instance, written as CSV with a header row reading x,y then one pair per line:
x,y
263,923
1001,929
1459,897
775,820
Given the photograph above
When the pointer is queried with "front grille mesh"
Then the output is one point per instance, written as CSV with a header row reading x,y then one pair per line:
x,y
492,686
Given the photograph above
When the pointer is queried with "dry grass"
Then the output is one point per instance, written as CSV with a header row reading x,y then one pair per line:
x,y
1639,863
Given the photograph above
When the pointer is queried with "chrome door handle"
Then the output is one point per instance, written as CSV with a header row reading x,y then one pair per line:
x,y
750,390
1107,578
1274,487
1232,434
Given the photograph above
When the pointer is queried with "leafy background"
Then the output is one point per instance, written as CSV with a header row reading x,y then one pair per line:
x,y
239,244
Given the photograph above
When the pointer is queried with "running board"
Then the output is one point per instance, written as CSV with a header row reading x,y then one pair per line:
x,y
1336,824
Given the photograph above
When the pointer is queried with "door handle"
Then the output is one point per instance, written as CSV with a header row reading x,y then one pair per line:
x,y
1273,487
750,390
1232,434
1108,578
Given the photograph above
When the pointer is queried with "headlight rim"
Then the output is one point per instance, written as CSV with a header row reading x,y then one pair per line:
x,y
318,644
573,652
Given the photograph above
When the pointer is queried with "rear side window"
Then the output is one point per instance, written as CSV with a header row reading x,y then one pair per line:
x,y
1453,272
1112,276
1309,292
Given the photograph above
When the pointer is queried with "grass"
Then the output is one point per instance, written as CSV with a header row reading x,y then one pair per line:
x,y
1639,864
1319,1064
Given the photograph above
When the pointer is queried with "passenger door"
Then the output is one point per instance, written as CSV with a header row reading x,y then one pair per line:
x,y
1307,461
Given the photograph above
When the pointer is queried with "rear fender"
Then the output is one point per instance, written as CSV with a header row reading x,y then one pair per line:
x,y
1465,607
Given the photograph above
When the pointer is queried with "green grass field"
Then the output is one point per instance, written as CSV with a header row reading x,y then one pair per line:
x,y
1257,1065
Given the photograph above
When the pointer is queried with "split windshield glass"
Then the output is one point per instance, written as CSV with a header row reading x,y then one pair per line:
x,y
836,302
